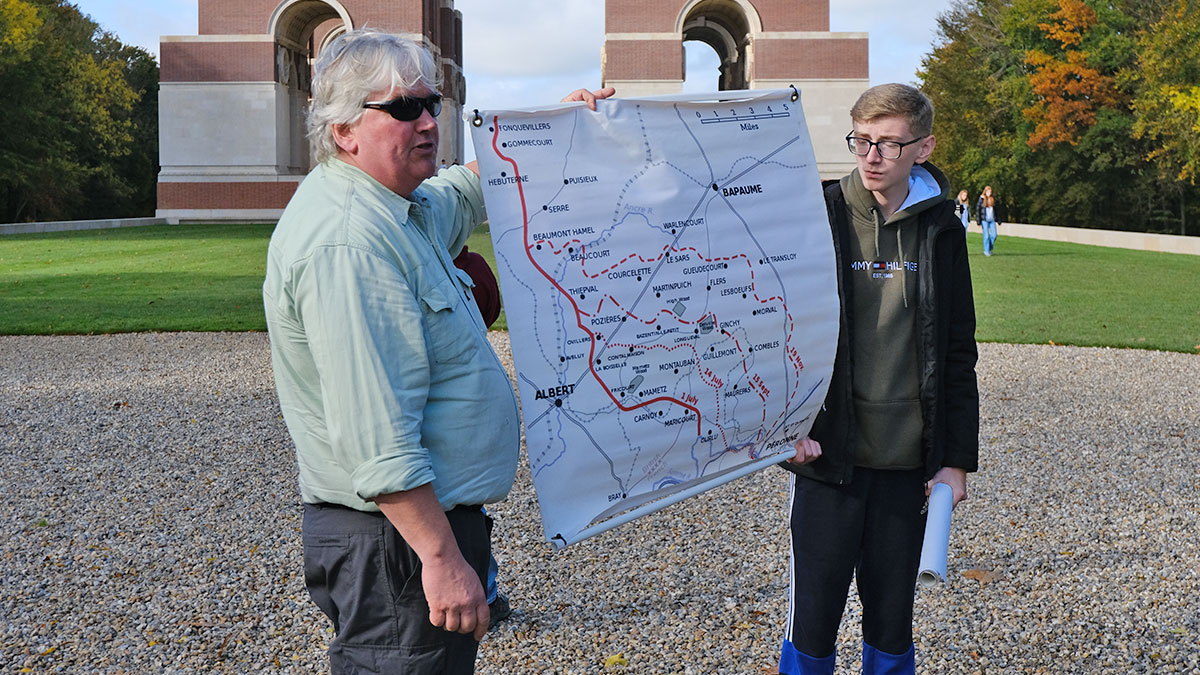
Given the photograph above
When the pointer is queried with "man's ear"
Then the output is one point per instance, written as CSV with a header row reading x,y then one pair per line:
x,y
344,136
926,149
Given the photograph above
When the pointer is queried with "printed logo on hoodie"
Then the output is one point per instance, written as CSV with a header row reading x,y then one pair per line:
x,y
883,269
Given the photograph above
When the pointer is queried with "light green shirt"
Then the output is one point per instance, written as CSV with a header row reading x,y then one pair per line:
x,y
385,375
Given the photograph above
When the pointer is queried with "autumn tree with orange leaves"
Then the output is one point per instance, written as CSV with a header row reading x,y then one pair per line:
x,y
1068,88
1079,112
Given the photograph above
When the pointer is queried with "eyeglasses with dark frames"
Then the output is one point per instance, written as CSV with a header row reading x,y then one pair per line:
x,y
408,108
886,149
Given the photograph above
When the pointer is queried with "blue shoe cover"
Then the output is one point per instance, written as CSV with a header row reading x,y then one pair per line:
x,y
876,662
795,662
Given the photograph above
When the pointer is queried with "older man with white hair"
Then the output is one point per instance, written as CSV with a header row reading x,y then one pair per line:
x,y
403,418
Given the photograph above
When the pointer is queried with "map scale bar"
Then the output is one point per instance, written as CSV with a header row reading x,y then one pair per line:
x,y
744,118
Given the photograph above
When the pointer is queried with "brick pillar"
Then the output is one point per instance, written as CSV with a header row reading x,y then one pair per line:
x,y
763,44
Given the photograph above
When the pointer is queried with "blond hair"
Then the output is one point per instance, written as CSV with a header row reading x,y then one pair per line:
x,y
896,100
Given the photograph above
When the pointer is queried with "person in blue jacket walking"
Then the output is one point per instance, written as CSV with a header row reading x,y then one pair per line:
x,y
985,213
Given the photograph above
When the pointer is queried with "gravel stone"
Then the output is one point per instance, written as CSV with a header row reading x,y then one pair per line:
x,y
151,525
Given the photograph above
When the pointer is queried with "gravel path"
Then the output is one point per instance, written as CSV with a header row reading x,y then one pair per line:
x,y
151,525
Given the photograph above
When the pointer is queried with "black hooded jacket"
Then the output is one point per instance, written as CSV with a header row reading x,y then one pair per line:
x,y
946,343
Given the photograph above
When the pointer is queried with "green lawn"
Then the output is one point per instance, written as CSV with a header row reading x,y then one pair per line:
x,y
160,278
209,277
1032,291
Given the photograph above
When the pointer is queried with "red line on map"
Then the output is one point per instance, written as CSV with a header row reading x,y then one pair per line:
x,y
592,350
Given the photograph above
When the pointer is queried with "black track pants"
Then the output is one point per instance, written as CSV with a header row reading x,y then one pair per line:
x,y
871,529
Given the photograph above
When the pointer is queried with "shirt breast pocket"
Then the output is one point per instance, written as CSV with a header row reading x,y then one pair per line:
x,y
448,332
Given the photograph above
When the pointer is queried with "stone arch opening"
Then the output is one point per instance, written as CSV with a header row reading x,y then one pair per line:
x,y
251,61
726,26
301,28
701,67
294,21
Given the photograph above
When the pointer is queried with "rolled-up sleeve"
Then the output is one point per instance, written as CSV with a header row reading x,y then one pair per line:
x,y
359,311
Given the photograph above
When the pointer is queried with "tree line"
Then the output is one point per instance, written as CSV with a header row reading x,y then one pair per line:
x,y
79,113
1082,113
1077,112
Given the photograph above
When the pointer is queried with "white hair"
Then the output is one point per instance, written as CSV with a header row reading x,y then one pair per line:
x,y
353,66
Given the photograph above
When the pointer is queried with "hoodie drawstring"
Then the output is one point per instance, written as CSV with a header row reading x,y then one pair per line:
x,y
876,217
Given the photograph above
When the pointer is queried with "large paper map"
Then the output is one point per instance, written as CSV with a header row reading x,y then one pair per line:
x,y
668,277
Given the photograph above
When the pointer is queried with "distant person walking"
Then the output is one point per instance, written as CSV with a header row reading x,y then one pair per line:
x,y
985,212
961,209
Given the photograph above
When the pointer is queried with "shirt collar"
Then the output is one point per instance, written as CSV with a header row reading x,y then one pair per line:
x,y
400,207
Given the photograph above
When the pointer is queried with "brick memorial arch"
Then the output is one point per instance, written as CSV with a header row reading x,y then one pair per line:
x,y
233,98
761,44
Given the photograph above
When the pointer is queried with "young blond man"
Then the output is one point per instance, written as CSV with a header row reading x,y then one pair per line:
x,y
902,412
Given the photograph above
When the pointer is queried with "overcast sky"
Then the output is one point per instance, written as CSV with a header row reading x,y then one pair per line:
x,y
516,58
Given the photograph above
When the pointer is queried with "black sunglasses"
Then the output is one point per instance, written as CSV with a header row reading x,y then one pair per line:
x,y
408,108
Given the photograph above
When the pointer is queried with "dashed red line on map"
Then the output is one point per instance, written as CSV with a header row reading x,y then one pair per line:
x,y
571,299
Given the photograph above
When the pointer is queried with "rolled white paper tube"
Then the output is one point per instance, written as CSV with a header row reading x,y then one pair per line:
x,y
936,546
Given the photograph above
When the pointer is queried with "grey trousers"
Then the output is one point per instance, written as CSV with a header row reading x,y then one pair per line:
x,y
367,580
